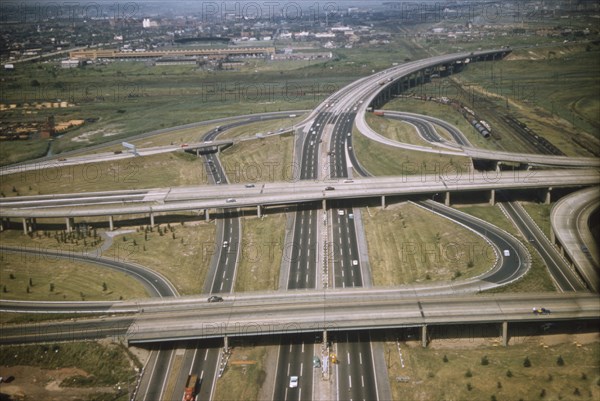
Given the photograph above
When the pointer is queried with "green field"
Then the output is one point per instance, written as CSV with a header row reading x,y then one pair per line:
x,y
383,160
408,244
244,376
430,378
181,252
49,278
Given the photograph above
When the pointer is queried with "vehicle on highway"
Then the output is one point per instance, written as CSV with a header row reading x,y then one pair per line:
x,y
349,133
329,188
215,298
316,362
541,311
249,185
506,252
61,159
218,128
293,381
225,244
348,181
218,182
354,262
350,215
230,200
184,145
189,393
340,212
118,152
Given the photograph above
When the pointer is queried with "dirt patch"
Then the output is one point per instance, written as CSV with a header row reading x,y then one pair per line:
x,y
34,383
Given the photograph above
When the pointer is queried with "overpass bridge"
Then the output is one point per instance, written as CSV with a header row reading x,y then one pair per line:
x,y
446,180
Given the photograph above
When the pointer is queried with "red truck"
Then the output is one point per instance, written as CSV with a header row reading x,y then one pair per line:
x,y
190,388
378,113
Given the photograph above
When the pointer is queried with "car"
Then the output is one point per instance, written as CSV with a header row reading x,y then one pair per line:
x,y
350,147
215,298
354,262
348,181
329,188
350,215
218,182
506,252
249,185
293,381
184,145
340,212
230,200
225,244
349,133
541,311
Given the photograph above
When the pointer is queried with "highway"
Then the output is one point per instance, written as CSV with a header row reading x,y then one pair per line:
x,y
570,218
310,311
160,200
313,306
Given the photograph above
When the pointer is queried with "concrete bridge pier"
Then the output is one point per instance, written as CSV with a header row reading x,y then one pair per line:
x,y
424,336
226,344
383,201
3,222
447,199
25,226
492,197
151,219
324,205
505,333
111,223
206,215
548,196
258,211
69,223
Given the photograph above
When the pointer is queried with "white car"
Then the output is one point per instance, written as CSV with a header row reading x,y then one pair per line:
x,y
293,381
354,262
350,215
340,212
506,252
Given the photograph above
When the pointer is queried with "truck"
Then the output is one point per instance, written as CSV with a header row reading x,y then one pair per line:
x,y
190,388
379,113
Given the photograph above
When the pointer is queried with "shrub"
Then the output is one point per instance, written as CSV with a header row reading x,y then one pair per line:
x,y
526,362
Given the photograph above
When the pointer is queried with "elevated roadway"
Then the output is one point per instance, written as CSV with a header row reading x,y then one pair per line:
x,y
571,218
448,179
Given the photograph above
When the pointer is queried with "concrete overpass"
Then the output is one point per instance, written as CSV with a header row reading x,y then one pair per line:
x,y
447,180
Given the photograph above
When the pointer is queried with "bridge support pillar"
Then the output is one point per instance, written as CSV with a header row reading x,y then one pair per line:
x,y
111,223
324,205
258,211
505,334
548,196
226,344
424,336
1,224
383,201
447,199
69,223
206,215
24,226
492,197
151,219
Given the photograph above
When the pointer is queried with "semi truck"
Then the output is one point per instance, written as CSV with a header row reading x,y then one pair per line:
x,y
190,388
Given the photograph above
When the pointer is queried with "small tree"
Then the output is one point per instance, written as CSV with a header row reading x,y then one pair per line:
x,y
30,282
4,290
485,361
493,397
469,373
526,362
576,392
543,393
509,373
469,387
445,359
104,287
499,385
51,287
583,376
28,290
560,361
11,276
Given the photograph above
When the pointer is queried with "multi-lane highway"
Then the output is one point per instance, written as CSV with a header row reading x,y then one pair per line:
x,y
323,215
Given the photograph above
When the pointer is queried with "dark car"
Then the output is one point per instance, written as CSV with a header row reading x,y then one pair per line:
x,y
215,298
329,188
